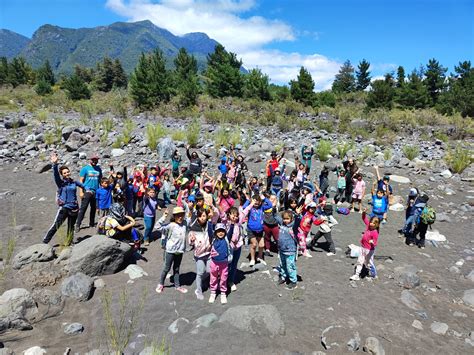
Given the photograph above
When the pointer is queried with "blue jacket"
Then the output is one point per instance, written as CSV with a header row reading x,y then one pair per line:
x,y
66,195
255,220
104,197
277,182
221,246
286,239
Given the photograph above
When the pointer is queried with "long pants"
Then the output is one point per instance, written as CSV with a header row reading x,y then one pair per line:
x,y
407,228
149,224
203,266
219,271
288,267
349,189
302,241
328,238
421,228
366,258
339,195
166,198
269,182
138,205
233,265
270,232
174,259
129,207
61,216
88,199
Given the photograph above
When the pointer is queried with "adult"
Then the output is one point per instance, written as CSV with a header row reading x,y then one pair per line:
x,y
195,163
272,165
306,155
68,206
90,176
351,170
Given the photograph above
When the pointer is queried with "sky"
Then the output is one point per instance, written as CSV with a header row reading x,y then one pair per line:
x,y
280,36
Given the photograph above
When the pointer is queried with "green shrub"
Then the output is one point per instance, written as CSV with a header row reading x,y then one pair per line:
x,y
118,143
323,149
325,125
42,116
410,152
344,148
178,135
153,134
85,108
127,132
387,154
284,123
192,134
441,136
367,151
459,159
304,123
49,138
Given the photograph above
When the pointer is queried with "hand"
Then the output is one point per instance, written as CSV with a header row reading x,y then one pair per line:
x,y
188,146
364,210
165,214
192,239
54,158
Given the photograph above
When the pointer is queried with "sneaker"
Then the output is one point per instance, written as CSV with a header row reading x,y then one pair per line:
x,y
77,229
159,288
267,253
400,231
352,210
252,263
421,247
223,298
199,295
233,288
281,281
384,221
212,298
261,261
330,254
307,254
181,289
291,286
147,243
354,278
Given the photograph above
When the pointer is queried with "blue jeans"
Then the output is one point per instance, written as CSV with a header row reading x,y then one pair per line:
x,y
233,265
407,229
149,224
166,198
288,267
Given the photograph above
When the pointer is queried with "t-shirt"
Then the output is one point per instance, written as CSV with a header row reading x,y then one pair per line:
x,y
382,186
341,182
104,197
110,225
359,186
91,177
379,205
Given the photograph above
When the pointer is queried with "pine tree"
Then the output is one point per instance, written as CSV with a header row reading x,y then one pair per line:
x,y
120,77
158,78
279,93
138,85
381,94
43,87
86,74
302,88
76,88
223,77
400,76
104,75
414,93
186,78
435,76
363,75
256,85
344,80
3,70
460,94
46,74
19,72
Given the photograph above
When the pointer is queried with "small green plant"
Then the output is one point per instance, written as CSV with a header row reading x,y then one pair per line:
x,y
178,135
344,148
284,123
441,136
192,134
323,149
128,127
118,143
325,125
387,154
459,159
42,116
85,108
161,348
411,151
153,134
367,151
50,138
120,325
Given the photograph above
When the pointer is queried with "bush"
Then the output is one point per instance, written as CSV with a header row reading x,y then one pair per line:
x,y
387,154
284,123
459,159
227,135
192,134
178,135
344,148
153,134
367,151
128,127
323,149
42,116
410,152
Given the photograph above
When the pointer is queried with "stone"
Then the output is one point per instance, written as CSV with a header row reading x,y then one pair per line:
x,y
204,321
407,276
459,314
23,228
43,167
17,303
373,346
165,149
174,327
468,297
117,152
399,179
99,255
74,329
410,301
64,255
72,146
470,276
436,236
78,287
446,174
46,297
439,328
135,271
417,324
454,270
398,207
258,319
354,344
99,283
443,217
16,122
6,351
35,350
66,132
32,254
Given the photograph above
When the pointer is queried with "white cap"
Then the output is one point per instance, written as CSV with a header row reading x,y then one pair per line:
x,y
312,205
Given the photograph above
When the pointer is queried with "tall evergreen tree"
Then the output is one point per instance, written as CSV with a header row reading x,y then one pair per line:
x,y
381,94
138,85
120,77
414,93
344,80
256,85
3,71
86,74
76,88
302,88
363,75
46,73
223,77
19,72
400,76
460,96
435,76
43,87
104,75
186,78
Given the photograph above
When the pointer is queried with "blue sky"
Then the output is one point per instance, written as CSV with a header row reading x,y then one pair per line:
x,y
280,36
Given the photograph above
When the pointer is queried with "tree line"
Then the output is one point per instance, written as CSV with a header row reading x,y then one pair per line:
x,y
151,83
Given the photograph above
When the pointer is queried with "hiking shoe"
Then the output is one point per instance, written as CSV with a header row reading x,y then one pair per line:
x,y
252,263
307,254
330,254
181,289
261,261
199,295
354,278
291,286
212,298
223,298
233,288
267,253
159,288
400,231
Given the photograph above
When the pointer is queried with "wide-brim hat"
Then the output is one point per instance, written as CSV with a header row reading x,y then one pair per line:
x,y
178,210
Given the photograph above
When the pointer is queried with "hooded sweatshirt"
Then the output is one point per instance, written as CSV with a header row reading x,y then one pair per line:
x,y
255,219
203,238
195,164
287,241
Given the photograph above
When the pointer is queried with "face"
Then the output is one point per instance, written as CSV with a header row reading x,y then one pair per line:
x,y
234,217
359,178
202,219
194,155
373,223
225,193
94,162
179,217
257,204
311,210
151,193
200,203
254,180
104,184
286,219
153,171
351,161
379,194
220,234
273,200
66,174
293,204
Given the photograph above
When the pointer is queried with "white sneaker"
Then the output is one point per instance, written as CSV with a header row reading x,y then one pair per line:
x,y
223,299
212,298
199,295
354,278
233,288
261,261
252,263
307,254
330,254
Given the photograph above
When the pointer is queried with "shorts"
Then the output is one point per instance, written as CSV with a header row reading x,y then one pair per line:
x,y
356,197
252,234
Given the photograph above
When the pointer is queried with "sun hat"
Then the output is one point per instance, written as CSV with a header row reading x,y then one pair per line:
x,y
178,210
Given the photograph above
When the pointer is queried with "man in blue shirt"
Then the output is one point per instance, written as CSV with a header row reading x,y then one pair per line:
x,y
90,176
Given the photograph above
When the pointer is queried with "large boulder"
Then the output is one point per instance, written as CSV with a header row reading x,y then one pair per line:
x,y
14,122
17,308
78,286
261,319
99,255
165,149
32,254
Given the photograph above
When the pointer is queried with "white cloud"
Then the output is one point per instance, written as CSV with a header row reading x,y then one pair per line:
x,y
246,36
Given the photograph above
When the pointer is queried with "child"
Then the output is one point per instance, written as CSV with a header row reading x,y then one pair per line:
x,y
324,180
305,227
325,222
341,187
409,213
103,196
367,247
220,253
420,226
200,237
379,203
235,236
358,192
174,241
166,189
270,225
175,162
150,205
287,247
224,204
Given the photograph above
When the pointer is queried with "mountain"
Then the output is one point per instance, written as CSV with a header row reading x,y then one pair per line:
x,y
12,43
65,47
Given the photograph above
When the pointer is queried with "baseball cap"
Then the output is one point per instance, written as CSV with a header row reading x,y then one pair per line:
x,y
219,226
192,198
94,156
312,205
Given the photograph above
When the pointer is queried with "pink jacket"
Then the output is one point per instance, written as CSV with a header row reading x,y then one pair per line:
x,y
369,235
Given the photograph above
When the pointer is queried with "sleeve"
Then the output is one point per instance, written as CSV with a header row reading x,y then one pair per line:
x,y
83,172
267,204
187,154
278,218
57,178
318,221
80,184
244,212
365,219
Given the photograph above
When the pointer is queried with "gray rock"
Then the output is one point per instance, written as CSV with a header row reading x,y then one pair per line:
x,y
64,255
410,301
74,329
6,351
354,344
117,152
459,314
443,217
35,350
66,132
439,328
23,228
259,319
417,324
359,124
99,283
165,149
446,174
174,327
407,276
454,270
135,271
149,350
17,308
32,254
204,321
46,297
43,167
373,346
468,297
99,255
72,146
15,122
470,276
78,286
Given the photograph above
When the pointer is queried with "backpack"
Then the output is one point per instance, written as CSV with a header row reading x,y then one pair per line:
x,y
343,210
428,215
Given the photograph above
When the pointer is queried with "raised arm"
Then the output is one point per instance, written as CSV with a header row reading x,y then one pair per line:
x,y
187,153
377,172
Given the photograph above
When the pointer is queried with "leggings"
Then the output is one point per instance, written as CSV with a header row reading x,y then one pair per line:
x,y
174,259
269,232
